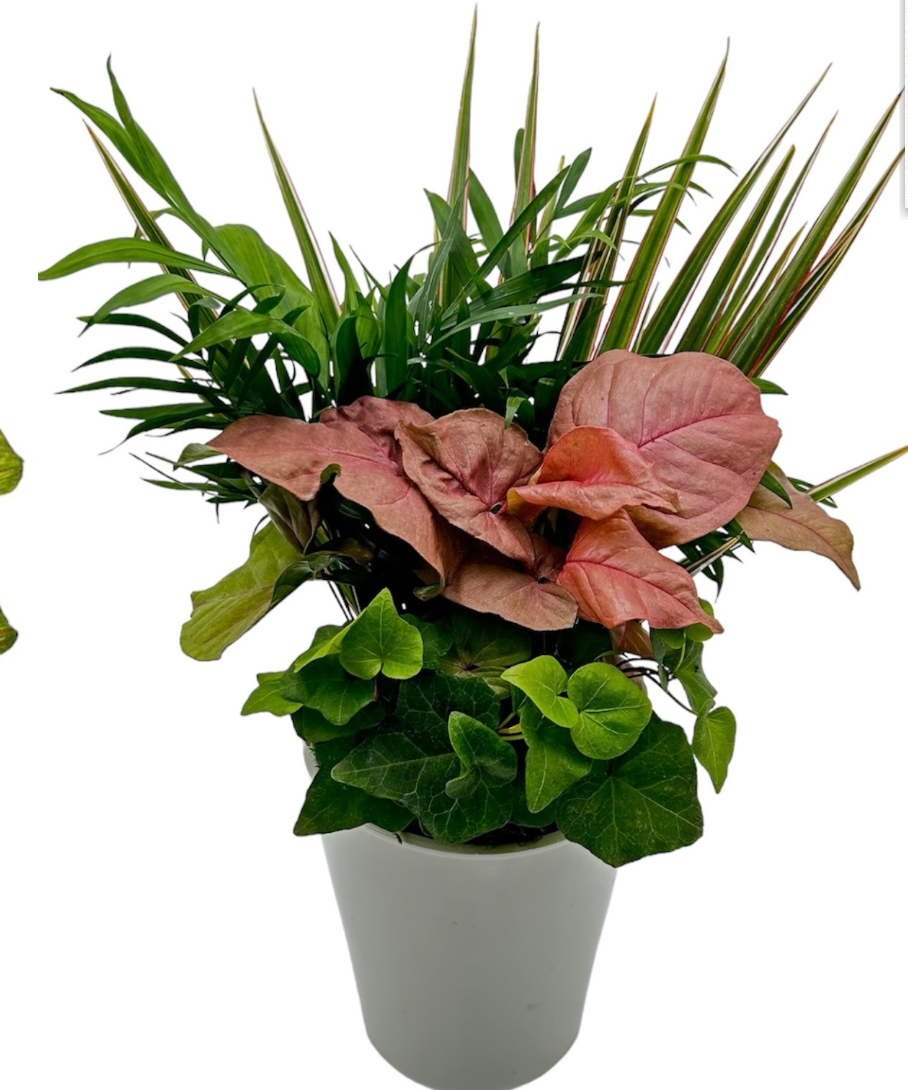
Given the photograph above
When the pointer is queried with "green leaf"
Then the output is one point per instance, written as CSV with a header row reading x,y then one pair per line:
x,y
543,679
10,466
147,290
483,646
770,483
485,757
641,804
526,165
689,672
224,612
266,697
312,566
397,767
325,685
714,743
829,488
553,762
378,640
327,641
613,710
331,806
129,250
319,277
314,728
437,639
425,704
8,634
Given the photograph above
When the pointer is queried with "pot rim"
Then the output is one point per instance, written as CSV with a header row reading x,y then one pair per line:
x,y
418,843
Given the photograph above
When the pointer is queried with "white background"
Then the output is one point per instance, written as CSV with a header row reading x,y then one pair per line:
x,y
163,928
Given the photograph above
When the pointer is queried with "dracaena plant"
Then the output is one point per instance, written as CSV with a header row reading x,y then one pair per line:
x,y
511,522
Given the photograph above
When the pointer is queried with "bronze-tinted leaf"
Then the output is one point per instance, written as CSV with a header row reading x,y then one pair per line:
x,y
527,595
805,526
696,420
465,464
617,576
359,441
595,472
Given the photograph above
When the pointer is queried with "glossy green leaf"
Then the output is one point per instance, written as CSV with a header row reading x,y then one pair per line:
x,y
613,710
543,680
331,806
714,743
10,466
314,728
483,646
641,804
131,250
224,612
266,696
553,762
380,641
324,685
147,290
485,757
829,488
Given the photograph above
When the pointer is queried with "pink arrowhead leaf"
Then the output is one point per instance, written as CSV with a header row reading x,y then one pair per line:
x,y
465,464
805,526
617,576
528,596
696,419
595,472
359,441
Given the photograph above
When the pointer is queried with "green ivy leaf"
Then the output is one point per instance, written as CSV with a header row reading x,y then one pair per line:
x,y
378,640
437,639
8,634
689,671
483,646
315,729
224,612
542,680
613,711
331,805
553,763
266,697
714,743
643,803
486,757
327,641
425,704
327,687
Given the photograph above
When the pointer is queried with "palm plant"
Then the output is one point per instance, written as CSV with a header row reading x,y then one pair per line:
x,y
466,329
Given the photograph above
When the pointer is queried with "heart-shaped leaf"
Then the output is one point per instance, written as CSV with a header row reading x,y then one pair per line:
x,y
696,419
327,687
641,804
613,710
714,743
465,464
485,757
314,728
543,680
378,640
484,646
553,762
266,697
595,472
616,576
804,526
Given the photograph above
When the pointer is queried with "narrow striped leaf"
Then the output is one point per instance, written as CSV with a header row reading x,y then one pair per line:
x,y
147,290
526,166
829,488
125,250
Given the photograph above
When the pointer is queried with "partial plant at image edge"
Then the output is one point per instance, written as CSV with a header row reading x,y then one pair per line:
x,y
10,476
488,495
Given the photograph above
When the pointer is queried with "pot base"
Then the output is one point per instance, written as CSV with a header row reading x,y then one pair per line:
x,y
472,964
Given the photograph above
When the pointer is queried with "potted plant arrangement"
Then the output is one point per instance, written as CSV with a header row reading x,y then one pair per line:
x,y
511,513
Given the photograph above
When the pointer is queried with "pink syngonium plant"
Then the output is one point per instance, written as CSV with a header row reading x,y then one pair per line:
x,y
642,454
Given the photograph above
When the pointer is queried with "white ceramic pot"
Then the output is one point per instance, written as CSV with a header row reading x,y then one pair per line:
x,y
472,964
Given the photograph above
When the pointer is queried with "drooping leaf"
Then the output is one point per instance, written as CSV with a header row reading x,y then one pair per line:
x,y
695,419
641,804
325,686
544,680
155,287
527,595
804,526
224,612
553,762
380,641
331,806
595,472
359,441
123,250
465,464
714,743
485,757
617,576
613,710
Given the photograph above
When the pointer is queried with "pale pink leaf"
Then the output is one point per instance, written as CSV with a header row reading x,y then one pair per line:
x,y
358,442
595,472
526,595
617,576
805,526
696,419
465,464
